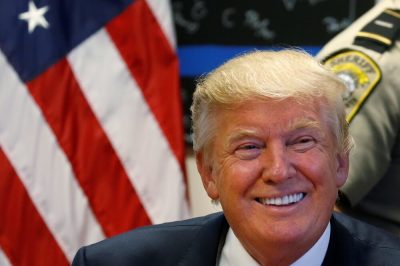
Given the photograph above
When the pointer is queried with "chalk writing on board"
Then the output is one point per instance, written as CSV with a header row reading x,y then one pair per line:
x,y
226,17
258,24
230,18
197,13
194,16
291,4
334,25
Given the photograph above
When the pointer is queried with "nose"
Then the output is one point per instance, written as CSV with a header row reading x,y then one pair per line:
x,y
277,164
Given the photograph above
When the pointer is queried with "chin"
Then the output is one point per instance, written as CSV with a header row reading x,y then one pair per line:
x,y
289,232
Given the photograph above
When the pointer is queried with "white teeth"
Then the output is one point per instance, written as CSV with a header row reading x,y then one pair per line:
x,y
285,200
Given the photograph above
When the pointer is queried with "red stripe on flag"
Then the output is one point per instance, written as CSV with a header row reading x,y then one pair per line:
x,y
24,236
154,65
95,163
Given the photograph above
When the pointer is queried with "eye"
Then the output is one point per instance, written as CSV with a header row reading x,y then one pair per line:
x,y
305,140
248,147
248,151
303,144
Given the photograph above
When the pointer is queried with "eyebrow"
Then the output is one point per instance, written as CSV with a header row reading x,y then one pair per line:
x,y
304,123
240,134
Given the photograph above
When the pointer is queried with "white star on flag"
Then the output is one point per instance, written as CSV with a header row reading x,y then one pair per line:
x,y
35,17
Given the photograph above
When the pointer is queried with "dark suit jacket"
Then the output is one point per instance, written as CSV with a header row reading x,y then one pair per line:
x,y
199,241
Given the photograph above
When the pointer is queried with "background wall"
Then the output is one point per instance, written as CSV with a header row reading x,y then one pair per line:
x,y
200,202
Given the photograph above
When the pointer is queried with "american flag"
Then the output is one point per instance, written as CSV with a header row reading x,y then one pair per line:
x,y
91,128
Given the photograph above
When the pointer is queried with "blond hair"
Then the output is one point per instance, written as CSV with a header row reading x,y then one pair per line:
x,y
266,75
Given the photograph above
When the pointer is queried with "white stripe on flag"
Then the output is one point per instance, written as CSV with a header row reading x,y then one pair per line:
x,y
43,168
3,259
162,11
118,104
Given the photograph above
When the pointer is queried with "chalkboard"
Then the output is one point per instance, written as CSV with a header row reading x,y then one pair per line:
x,y
252,22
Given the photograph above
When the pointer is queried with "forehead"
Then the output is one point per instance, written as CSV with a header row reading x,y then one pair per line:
x,y
286,114
264,119
248,129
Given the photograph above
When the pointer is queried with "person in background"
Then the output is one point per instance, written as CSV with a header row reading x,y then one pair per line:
x,y
367,57
272,147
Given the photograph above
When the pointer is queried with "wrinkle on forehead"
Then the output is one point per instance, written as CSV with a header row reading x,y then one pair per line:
x,y
293,125
304,123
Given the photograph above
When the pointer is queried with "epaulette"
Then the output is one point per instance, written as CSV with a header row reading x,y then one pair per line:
x,y
381,32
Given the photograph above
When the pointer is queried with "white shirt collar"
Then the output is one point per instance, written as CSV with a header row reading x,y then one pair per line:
x,y
233,253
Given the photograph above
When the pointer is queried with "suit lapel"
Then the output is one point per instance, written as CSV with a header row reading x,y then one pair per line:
x,y
208,243
341,247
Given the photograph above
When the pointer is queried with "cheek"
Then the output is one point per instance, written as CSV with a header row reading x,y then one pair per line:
x,y
319,170
238,177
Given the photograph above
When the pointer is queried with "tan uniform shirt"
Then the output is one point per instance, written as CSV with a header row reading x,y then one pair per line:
x,y
373,186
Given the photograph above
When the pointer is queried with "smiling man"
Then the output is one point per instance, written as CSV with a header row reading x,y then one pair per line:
x,y
272,147
275,169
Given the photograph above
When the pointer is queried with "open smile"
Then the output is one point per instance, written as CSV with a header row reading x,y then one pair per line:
x,y
283,201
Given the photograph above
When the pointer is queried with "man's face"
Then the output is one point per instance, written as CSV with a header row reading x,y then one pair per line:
x,y
275,169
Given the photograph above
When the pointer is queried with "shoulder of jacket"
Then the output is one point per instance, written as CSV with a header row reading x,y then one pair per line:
x,y
155,244
368,235
355,54
373,33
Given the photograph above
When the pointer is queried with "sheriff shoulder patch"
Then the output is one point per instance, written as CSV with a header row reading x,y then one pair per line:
x,y
360,74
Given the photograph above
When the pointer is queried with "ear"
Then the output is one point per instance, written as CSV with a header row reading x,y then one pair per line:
x,y
342,169
206,172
